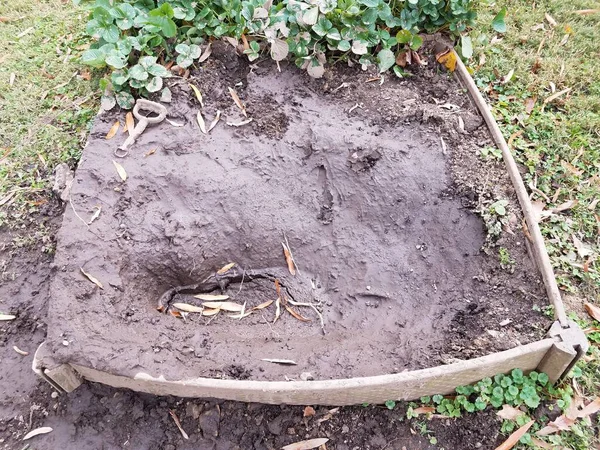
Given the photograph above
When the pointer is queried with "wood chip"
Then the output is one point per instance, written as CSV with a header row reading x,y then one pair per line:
x,y
225,306
225,268
513,439
237,101
113,130
211,297
306,445
288,362
176,420
188,308
19,351
91,278
6,317
37,432
120,171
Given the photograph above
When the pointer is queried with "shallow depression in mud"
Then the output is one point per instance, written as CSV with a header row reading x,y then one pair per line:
x,y
385,252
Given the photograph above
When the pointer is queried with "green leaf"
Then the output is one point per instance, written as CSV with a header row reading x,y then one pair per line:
x,y
110,33
543,379
116,61
310,16
498,23
94,58
369,3
125,99
390,404
466,46
155,84
183,49
322,26
416,43
386,60
404,36
158,71
437,399
119,77
138,72
343,46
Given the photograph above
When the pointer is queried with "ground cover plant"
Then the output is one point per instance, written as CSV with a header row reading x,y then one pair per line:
x,y
48,100
135,38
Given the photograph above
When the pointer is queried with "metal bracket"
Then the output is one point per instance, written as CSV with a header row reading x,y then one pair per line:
x,y
571,344
61,377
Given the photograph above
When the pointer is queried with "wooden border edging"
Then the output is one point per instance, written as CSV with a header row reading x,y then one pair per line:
x,y
555,355
541,253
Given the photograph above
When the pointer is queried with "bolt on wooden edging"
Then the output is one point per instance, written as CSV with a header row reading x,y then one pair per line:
x,y
555,355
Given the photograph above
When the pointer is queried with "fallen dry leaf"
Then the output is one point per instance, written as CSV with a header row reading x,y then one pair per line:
x,y
560,424
240,124
509,412
225,268
571,168
263,305
19,351
564,206
589,409
120,170
188,308
306,445
225,306
424,410
277,309
113,130
210,312
237,101
448,59
176,313
211,297
201,122
129,123
175,124
309,411
514,437
542,444
506,78
198,94
550,19
556,95
4,317
92,278
215,121
95,215
11,79
402,59
530,104
176,420
206,53
593,311
288,362
288,259
37,432
296,314
585,12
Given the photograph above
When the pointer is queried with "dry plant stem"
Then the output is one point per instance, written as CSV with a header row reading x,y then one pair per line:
x,y
310,305
538,241
291,254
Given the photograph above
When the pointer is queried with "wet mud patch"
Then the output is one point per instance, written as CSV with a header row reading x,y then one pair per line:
x,y
355,178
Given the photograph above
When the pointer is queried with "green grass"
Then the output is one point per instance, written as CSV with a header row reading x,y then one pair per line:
x,y
46,113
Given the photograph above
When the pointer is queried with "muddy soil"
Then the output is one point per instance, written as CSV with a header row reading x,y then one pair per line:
x,y
352,173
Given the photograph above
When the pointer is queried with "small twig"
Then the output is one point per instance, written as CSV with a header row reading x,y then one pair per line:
x,y
291,254
78,216
176,420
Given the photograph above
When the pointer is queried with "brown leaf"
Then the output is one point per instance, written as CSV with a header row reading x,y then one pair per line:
x,y
198,94
263,305
530,104
296,314
509,413
210,312
448,59
288,362
571,168
245,42
175,313
593,311
514,438
206,53
237,101
113,130
424,410
85,74
288,259
564,206
120,170
590,408
542,444
306,445
129,123
225,268
188,308
92,278
277,288
560,424
225,306
401,59
309,411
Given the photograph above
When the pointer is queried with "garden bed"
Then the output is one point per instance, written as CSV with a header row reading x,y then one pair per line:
x,y
373,186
